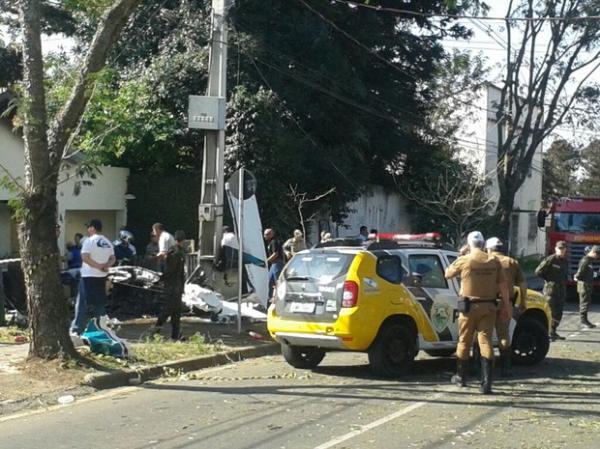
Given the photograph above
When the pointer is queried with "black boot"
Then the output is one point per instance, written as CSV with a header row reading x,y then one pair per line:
x,y
505,364
585,322
460,378
486,376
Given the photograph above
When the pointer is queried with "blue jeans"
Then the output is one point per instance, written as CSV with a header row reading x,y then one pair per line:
x,y
92,294
274,272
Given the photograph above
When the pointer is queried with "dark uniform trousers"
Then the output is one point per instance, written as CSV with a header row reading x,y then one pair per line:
x,y
172,309
555,271
584,289
481,318
556,293
174,282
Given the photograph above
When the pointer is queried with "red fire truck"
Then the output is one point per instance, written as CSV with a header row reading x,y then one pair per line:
x,y
576,221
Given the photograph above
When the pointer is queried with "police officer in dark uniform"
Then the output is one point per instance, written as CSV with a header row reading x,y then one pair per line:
x,y
554,270
482,278
173,280
585,279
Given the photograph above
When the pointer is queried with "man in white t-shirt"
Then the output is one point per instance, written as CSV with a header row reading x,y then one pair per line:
x,y
165,242
97,256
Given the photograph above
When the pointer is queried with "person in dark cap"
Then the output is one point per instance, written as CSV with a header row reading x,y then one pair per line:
x,y
173,281
585,279
554,270
97,255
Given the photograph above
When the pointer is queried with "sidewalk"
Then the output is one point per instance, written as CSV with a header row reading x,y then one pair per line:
x,y
34,384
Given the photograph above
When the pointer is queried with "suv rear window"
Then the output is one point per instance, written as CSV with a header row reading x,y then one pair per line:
x,y
322,267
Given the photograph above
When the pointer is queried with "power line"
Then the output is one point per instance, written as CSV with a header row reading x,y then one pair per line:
x,y
319,75
408,12
373,53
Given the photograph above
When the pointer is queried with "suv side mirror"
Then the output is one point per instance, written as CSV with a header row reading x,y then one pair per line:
x,y
416,279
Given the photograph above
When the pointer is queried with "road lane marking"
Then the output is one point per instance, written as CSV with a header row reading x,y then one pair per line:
x,y
377,423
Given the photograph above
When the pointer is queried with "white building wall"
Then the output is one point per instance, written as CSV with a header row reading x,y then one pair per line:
x,y
480,129
377,208
104,199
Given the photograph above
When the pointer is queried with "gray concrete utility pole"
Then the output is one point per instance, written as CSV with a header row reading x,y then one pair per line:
x,y
211,208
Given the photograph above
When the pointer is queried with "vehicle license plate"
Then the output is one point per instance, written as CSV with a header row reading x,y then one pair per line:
x,y
302,307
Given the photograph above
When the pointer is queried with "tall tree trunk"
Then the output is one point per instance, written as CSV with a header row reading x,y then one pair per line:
x,y
47,308
48,311
504,210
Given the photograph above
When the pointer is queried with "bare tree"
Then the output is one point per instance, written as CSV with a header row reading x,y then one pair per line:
x,y
458,196
542,89
44,150
301,200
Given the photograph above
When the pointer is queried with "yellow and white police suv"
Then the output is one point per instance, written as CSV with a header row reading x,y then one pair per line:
x,y
388,298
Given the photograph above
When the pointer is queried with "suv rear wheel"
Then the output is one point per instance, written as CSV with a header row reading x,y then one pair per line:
x,y
302,357
530,342
393,352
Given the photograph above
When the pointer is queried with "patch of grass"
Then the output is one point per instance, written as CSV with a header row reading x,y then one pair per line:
x,y
8,334
159,350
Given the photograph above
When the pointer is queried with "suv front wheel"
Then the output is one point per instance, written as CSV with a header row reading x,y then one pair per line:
x,y
393,352
530,342
302,357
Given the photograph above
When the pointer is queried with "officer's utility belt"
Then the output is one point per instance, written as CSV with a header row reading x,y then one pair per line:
x,y
464,303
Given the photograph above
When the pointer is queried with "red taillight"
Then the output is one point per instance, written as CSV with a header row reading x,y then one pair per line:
x,y
350,295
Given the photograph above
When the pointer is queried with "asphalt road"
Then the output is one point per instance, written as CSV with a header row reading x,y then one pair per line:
x,y
264,403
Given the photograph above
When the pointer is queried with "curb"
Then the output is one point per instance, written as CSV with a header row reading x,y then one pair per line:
x,y
135,377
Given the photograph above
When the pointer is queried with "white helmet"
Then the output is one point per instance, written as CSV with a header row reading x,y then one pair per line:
x,y
475,238
125,236
493,242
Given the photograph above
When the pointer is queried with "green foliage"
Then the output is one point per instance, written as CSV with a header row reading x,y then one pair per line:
x,y
561,162
589,184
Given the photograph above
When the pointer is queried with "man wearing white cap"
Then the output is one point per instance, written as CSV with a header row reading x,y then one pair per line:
x,y
481,279
514,277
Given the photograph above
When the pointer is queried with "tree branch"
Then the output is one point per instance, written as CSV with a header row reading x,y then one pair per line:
x,y
107,34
